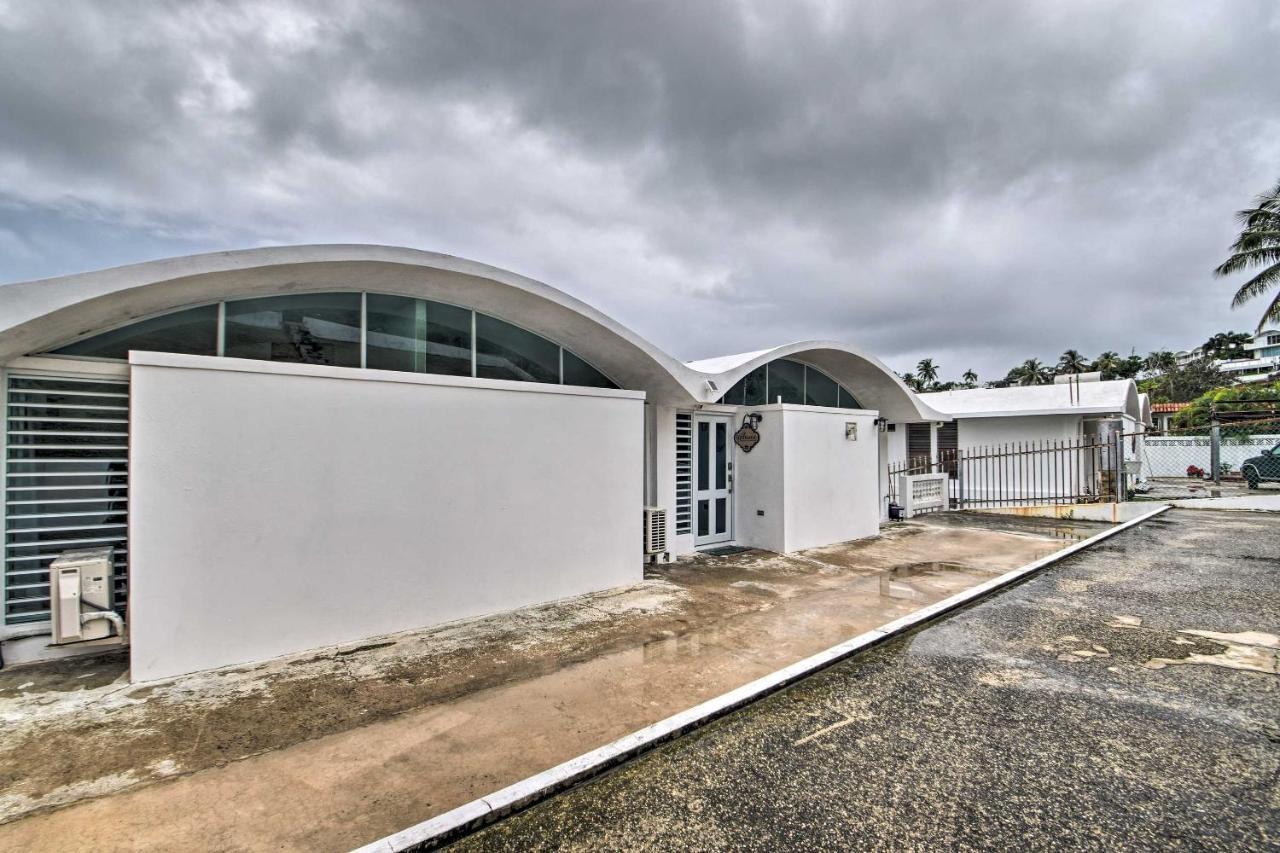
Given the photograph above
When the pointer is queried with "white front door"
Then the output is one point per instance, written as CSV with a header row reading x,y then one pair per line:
x,y
713,479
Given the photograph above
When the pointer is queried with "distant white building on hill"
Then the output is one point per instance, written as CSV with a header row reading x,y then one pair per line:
x,y
1262,358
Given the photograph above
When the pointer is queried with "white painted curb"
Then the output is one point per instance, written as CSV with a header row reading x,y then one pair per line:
x,y
451,825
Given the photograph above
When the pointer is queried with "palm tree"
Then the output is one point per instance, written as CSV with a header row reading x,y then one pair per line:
x,y
909,379
1258,246
927,372
1108,363
1226,345
970,378
1031,372
1072,362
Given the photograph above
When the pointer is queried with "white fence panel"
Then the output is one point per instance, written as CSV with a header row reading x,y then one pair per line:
x,y
922,493
1169,455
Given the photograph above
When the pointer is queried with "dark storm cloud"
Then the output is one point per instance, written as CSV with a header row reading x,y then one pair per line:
x,y
980,182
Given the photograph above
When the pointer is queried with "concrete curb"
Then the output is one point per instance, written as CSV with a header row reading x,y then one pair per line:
x,y
451,825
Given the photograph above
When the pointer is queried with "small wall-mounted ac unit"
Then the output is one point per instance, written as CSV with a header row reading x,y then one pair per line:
x,y
655,531
80,591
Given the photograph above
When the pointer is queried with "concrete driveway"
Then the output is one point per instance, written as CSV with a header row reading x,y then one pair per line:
x,y
333,749
1126,698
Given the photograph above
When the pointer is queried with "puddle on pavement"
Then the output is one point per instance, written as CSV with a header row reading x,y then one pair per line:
x,y
894,581
1252,651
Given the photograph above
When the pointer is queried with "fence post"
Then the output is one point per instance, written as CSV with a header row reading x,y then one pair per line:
x,y
1215,450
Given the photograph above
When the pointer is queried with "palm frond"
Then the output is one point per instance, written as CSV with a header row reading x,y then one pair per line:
x,y
1258,285
1249,258
1272,314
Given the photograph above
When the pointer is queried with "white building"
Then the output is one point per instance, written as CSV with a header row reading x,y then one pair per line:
x,y
296,447
992,417
1261,362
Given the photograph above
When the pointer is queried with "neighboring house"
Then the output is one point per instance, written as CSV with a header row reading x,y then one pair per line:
x,y
301,446
995,417
1163,414
1261,361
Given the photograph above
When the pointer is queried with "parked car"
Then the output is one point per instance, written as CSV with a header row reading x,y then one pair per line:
x,y
1262,468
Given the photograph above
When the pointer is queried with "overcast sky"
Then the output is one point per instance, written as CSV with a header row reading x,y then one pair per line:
x,y
977,182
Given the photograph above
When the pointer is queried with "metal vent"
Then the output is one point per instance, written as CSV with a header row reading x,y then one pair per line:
x,y
66,483
684,472
655,530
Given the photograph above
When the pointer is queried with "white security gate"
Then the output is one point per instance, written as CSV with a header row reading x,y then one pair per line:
x,y
66,482
713,475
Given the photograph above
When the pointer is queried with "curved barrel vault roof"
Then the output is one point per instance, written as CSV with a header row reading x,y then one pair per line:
x,y
36,316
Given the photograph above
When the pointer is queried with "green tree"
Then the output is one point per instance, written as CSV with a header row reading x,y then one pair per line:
x,y
1226,345
909,379
927,372
1072,362
1160,361
1030,372
970,378
1184,382
1107,363
1257,248
1129,367
1198,413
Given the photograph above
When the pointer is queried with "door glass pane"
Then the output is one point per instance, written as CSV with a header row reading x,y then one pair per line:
x,y
448,339
194,332
504,351
753,387
703,519
721,442
722,522
820,389
786,380
704,454
306,328
578,372
397,333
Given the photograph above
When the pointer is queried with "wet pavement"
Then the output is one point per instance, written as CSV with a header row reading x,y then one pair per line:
x,y
1125,698
334,749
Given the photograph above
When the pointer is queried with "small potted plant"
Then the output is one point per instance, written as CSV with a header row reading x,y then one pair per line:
x,y
1195,471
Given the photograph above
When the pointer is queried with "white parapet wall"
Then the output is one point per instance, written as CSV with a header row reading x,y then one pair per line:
x,y
812,480
277,508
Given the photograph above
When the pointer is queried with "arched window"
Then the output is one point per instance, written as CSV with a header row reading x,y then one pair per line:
x,y
791,381
373,330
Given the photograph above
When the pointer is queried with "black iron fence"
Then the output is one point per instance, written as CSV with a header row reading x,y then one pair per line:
x,y
1228,456
1090,469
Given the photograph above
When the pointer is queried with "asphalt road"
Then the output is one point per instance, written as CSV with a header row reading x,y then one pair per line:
x,y
1069,712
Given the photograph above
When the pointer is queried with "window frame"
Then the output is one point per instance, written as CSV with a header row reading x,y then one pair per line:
x,y
221,335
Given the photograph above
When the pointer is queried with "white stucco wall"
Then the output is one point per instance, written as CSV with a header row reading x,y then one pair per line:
x,y
814,486
276,508
997,432
832,484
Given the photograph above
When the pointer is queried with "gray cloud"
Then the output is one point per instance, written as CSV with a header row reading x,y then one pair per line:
x,y
978,182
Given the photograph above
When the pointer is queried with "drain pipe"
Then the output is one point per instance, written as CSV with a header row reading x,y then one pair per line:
x,y
103,613
109,615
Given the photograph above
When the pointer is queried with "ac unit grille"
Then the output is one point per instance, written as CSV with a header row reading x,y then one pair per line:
x,y
655,530
684,472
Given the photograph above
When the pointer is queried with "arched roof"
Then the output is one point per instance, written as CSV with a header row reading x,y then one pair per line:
x,y
36,316
870,380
